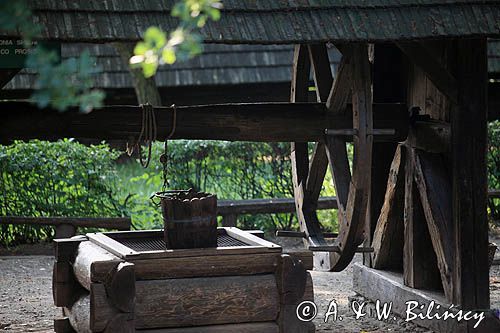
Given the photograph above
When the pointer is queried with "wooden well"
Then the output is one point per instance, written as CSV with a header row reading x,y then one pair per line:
x,y
127,281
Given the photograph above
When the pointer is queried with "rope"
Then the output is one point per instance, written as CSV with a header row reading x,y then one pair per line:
x,y
147,135
163,157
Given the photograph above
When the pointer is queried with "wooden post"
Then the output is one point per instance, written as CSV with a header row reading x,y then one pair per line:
x,y
388,87
469,185
229,220
65,288
292,281
419,259
65,231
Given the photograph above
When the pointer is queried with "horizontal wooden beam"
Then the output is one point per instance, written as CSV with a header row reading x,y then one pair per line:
x,y
267,206
264,122
119,223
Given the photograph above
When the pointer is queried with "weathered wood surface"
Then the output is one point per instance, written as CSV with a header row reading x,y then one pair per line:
x,y
245,122
388,287
190,220
469,177
269,327
65,288
206,301
432,136
420,268
92,263
223,265
62,325
292,283
433,183
119,223
268,206
432,67
299,158
352,226
388,236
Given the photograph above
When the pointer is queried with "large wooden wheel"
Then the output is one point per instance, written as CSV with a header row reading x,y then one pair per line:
x,y
353,78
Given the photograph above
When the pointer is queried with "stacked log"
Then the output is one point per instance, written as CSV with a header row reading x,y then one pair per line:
x,y
100,292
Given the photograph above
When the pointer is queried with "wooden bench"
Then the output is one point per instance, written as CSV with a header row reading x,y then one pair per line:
x,y
66,226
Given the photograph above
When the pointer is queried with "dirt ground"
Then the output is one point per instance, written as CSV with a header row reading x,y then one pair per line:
x,y
26,297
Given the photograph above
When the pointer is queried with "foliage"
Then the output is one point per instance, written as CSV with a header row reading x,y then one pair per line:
x,y
232,170
62,178
183,43
493,161
60,84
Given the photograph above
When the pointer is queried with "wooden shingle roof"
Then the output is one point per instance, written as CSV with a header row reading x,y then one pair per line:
x,y
272,22
217,65
494,56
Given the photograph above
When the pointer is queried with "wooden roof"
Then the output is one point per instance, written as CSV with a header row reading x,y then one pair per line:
x,y
494,56
272,22
218,65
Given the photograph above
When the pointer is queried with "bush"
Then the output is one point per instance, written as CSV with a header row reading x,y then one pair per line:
x,y
232,170
493,160
61,178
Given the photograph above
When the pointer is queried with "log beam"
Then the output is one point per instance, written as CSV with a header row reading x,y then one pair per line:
x,y
469,177
263,122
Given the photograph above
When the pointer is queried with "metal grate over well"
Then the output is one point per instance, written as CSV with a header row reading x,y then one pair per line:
x,y
157,242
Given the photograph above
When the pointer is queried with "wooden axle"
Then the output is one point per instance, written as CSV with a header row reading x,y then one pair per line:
x,y
263,122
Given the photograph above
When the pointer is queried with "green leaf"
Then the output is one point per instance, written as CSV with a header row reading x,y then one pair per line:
x,y
168,55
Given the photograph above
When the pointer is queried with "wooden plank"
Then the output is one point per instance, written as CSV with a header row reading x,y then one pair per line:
x,y
317,171
120,287
388,236
120,223
249,238
111,245
341,88
469,177
267,206
262,122
206,301
434,186
306,257
268,327
388,287
203,266
432,67
420,268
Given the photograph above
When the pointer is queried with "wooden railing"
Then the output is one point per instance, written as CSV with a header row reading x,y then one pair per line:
x,y
230,209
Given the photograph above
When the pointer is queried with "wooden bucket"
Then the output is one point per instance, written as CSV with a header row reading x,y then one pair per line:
x,y
190,219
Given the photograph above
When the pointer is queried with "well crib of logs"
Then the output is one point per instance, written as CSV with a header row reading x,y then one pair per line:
x,y
129,281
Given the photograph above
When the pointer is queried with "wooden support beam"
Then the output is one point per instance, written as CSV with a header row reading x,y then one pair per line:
x,y
433,183
264,122
388,236
432,136
420,268
469,177
268,327
433,68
